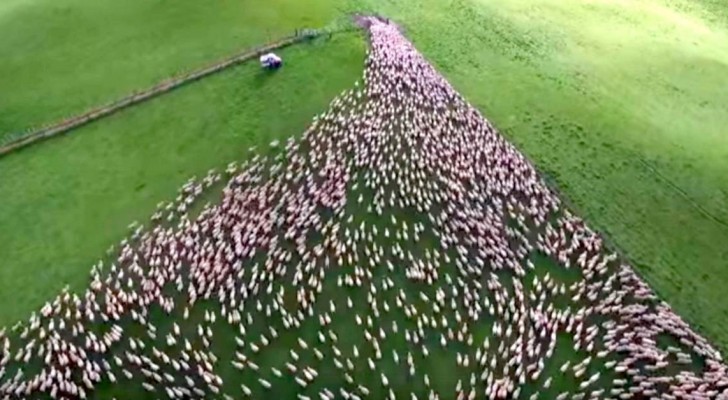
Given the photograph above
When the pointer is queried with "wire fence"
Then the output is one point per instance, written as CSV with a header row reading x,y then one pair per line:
x,y
15,141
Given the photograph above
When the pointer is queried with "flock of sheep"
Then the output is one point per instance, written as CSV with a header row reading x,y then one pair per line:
x,y
401,215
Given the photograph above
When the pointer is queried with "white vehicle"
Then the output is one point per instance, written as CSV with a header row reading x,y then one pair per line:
x,y
270,61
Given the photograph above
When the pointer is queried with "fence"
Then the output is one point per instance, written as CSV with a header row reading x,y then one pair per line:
x,y
36,135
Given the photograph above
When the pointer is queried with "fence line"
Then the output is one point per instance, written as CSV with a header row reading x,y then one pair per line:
x,y
682,193
54,129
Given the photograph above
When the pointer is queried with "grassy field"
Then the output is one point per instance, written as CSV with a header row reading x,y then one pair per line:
x,y
620,103
67,201
387,282
60,57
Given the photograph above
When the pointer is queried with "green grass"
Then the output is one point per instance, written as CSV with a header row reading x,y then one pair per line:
x,y
66,201
591,91
60,57
440,365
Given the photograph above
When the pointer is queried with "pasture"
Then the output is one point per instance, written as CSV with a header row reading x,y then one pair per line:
x,y
400,248
78,54
82,191
620,104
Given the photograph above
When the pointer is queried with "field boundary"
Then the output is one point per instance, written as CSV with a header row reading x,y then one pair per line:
x,y
702,210
36,135
609,243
